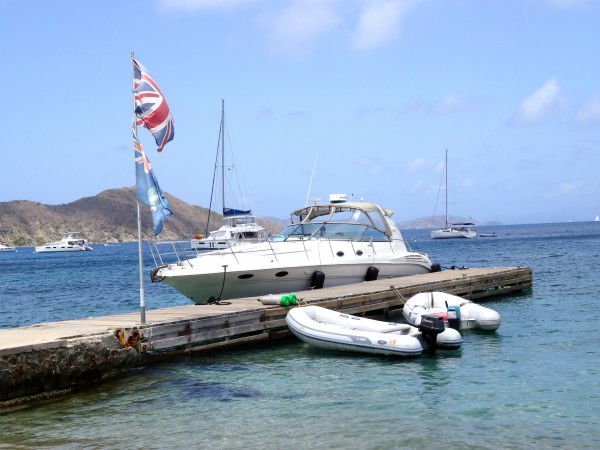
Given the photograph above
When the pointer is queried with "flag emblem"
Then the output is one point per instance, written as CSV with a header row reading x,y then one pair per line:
x,y
147,188
151,108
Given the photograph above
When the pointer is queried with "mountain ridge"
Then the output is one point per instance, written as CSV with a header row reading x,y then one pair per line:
x,y
109,216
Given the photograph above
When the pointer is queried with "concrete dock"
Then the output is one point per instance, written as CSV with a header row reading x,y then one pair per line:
x,y
49,359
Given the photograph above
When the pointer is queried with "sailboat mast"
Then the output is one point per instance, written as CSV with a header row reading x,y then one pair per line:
x,y
446,166
223,155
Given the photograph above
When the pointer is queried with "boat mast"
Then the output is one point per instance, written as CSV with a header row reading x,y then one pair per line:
x,y
446,166
223,155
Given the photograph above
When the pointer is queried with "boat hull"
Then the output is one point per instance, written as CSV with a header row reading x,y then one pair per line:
x,y
249,282
60,248
453,234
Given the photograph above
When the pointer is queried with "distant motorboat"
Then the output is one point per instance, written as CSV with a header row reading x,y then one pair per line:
x,y
4,242
457,312
488,235
325,328
7,248
71,241
237,229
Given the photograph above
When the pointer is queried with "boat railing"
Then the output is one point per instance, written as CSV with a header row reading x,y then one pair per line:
x,y
180,251
171,252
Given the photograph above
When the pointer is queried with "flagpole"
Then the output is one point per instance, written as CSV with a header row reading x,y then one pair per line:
x,y
139,219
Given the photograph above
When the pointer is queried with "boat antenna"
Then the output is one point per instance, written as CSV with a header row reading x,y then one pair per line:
x,y
311,179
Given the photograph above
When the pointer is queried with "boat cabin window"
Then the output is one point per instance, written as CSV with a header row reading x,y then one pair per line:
x,y
335,223
297,231
333,231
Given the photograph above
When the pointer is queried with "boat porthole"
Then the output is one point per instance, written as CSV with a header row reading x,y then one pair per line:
x,y
382,342
345,316
245,276
359,252
340,253
281,274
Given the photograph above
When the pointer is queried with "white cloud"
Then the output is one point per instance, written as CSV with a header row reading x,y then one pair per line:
x,y
417,164
379,22
569,187
566,3
454,102
467,183
590,112
451,102
539,104
296,29
192,5
371,166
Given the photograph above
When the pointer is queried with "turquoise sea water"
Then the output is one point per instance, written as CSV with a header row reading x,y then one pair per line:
x,y
534,383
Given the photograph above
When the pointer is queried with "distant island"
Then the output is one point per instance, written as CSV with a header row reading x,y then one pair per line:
x,y
111,216
107,217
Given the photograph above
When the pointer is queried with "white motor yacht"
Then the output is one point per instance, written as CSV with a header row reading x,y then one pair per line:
x,y
5,245
326,245
237,229
71,241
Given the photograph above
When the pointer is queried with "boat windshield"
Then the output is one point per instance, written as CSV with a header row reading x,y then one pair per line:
x,y
337,223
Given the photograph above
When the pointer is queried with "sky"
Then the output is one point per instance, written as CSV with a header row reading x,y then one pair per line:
x,y
361,97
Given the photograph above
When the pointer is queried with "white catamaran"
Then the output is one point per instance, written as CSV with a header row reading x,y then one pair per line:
x,y
71,241
240,227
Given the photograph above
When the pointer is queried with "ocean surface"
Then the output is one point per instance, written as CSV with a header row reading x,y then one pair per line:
x,y
532,384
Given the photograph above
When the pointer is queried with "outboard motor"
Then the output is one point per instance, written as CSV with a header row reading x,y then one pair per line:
x,y
453,314
430,327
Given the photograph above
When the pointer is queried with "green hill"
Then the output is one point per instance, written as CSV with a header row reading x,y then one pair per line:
x,y
109,216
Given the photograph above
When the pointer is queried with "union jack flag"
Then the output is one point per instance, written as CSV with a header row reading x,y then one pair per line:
x,y
151,108
147,188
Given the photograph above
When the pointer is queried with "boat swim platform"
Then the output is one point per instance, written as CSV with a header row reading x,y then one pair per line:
x,y
54,356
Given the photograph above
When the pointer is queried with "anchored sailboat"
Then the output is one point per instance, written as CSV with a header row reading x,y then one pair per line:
x,y
240,226
454,230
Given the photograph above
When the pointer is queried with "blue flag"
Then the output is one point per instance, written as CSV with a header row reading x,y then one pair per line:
x,y
148,190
